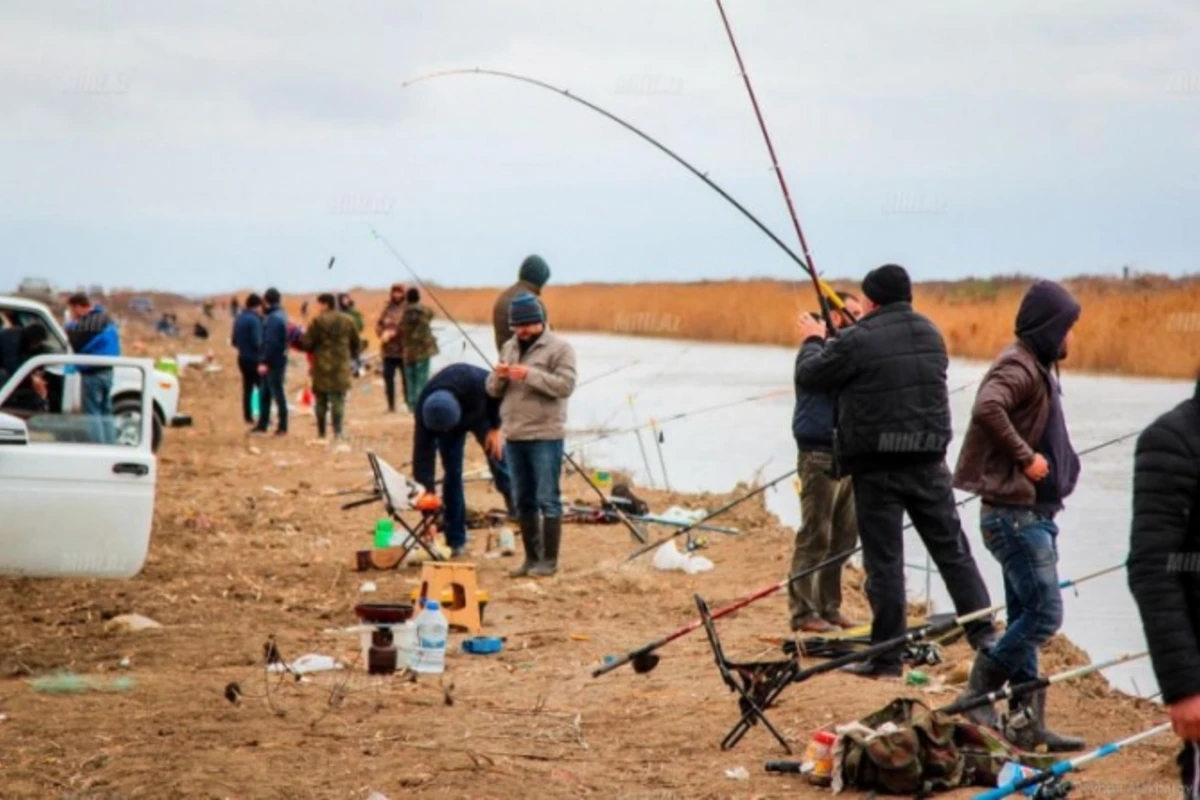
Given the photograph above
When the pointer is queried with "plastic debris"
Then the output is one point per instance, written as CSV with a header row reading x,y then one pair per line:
x,y
70,683
307,664
916,677
738,774
130,623
368,587
669,558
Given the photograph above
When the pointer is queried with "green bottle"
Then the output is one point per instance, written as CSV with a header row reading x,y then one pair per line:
x,y
383,532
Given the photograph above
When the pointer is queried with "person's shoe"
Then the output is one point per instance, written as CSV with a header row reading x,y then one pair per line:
x,y
257,432
1026,728
840,620
281,433
551,539
986,677
531,538
459,551
873,669
812,625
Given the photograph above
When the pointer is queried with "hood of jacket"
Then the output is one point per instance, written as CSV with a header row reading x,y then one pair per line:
x,y
1045,318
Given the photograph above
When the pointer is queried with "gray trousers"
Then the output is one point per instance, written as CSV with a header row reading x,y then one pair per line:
x,y
828,528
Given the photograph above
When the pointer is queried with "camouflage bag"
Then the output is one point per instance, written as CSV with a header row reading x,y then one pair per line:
x,y
921,752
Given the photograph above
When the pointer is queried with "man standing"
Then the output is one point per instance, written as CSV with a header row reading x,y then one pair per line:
x,y
388,331
420,345
272,363
92,332
1017,457
893,426
534,378
1164,568
828,527
247,338
453,404
332,338
533,275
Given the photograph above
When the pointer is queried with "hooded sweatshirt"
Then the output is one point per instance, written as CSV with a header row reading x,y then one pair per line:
x,y
1046,315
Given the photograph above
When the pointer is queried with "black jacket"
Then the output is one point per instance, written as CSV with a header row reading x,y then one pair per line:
x,y
1164,546
889,374
480,415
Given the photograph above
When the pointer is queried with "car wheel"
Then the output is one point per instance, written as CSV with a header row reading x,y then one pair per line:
x,y
128,416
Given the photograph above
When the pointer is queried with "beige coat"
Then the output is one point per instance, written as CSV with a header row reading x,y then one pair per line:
x,y
536,409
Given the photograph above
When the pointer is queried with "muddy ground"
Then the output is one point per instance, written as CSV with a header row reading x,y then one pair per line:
x,y
249,543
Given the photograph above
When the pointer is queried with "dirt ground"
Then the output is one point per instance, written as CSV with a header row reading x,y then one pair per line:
x,y
249,543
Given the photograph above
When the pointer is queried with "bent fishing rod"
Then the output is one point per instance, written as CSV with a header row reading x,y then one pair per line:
x,y
633,529
823,287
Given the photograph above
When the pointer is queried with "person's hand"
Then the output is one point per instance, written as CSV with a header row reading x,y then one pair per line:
x,y
493,444
262,370
518,372
501,370
810,327
38,380
1038,468
1185,717
387,336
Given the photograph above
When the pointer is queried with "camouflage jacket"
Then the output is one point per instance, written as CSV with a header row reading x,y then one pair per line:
x,y
332,338
419,341
389,321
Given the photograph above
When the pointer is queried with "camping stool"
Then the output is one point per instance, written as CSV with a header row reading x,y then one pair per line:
x,y
439,578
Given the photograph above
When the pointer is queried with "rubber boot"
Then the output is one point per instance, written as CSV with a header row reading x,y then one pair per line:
x,y
1027,729
986,676
552,538
531,538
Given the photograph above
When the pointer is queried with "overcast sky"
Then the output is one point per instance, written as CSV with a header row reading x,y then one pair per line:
x,y
213,145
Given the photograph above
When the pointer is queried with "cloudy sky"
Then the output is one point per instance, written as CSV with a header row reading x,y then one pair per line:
x,y
212,145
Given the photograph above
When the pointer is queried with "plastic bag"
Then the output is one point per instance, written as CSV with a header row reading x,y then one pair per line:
x,y
668,558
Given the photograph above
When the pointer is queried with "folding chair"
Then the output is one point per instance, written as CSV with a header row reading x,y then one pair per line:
x,y
757,683
399,494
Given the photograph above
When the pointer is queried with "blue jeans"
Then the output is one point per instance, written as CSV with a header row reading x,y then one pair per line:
x,y
535,468
273,389
96,388
1025,544
454,502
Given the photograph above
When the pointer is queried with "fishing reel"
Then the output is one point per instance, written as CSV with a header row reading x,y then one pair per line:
x,y
1054,789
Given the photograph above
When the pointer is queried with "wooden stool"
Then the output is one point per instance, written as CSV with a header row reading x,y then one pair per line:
x,y
439,577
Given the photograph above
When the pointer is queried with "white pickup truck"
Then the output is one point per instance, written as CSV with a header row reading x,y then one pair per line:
x,y
74,504
127,408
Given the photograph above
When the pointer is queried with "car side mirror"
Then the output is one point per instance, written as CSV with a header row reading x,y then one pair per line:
x,y
13,431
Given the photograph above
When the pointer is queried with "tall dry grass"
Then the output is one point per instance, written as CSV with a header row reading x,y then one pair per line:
x,y
1146,326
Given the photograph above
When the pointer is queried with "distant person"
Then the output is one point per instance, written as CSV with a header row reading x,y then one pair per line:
x,y
1017,457
92,332
456,403
420,345
532,276
199,331
272,364
208,309
533,379
391,337
828,527
346,306
165,325
893,426
304,310
247,338
332,338
1164,568
234,307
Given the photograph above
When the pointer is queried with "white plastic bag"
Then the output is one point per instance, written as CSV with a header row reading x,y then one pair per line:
x,y
668,558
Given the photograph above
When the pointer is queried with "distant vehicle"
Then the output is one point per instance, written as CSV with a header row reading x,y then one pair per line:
x,y
95,291
141,305
38,289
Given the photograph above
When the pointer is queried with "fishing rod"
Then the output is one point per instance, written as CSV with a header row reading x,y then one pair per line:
x,y
1063,767
825,295
932,630
637,533
604,375
828,292
1041,682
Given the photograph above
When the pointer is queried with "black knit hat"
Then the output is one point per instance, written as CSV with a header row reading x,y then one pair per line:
x,y
888,284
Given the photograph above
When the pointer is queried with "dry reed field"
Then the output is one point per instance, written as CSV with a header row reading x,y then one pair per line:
x,y
1144,326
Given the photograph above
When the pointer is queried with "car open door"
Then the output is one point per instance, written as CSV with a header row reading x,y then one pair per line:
x,y
73,502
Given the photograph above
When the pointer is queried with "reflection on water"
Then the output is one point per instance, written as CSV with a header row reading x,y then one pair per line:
x,y
714,450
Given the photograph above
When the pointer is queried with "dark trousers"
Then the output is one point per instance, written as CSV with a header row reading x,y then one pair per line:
x,y
273,389
925,492
250,379
535,467
390,367
330,404
454,502
1189,769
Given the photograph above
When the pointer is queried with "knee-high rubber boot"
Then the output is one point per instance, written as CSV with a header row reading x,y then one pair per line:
x,y
552,538
531,538
1027,729
986,676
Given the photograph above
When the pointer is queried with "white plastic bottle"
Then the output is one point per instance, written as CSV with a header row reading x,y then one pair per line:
x,y
406,644
432,630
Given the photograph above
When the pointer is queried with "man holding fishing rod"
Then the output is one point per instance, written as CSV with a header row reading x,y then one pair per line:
x,y
828,526
1017,456
888,372
1164,568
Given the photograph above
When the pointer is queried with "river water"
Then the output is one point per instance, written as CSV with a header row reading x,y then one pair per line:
x,y
637,380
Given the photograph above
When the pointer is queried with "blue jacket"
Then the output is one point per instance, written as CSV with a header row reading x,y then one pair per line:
x,y
480,414
248,335
94,334
812,421
274,338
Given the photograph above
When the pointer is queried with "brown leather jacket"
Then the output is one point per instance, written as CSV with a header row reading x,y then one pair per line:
x,y
500,310
1007,422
